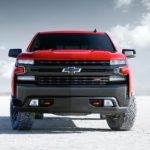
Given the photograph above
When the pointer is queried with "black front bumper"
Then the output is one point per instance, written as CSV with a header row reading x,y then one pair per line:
x,y
72,99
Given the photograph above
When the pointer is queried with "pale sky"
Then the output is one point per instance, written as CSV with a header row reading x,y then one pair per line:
x,y
126,21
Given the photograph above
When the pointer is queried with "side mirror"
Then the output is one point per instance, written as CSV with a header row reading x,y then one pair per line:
x,y
14,52
129,53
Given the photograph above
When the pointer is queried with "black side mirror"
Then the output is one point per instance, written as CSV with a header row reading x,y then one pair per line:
x,y
14,52
129,53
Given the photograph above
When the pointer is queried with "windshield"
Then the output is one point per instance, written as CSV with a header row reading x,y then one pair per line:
x,y
72,41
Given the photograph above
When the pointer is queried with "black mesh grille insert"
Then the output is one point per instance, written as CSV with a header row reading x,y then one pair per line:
x,y
72,80
63,63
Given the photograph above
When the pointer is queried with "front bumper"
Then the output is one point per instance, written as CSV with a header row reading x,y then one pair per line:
x,y
72,99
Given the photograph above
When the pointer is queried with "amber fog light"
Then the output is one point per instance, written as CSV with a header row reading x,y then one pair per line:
x,y
20,70
96,102
47,102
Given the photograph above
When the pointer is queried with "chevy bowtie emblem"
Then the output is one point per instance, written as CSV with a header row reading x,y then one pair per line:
x,y
71,70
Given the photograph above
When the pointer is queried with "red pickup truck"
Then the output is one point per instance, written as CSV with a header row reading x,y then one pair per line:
x,y
72,72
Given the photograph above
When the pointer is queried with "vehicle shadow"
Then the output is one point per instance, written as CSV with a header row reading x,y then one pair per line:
x,y
54,125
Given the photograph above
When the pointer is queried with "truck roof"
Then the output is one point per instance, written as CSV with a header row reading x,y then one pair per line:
x,y
71,31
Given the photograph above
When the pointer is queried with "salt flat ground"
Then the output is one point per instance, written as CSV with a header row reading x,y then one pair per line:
x,y
74,132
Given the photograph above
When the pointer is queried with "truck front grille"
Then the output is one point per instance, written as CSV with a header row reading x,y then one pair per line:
x,y
75,62
72,80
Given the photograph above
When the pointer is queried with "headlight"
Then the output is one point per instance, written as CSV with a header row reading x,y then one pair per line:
x,y
26,78
117,78
25,62
118,62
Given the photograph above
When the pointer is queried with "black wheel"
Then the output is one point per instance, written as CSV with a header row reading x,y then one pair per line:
x,y
124,121
39,116
20,120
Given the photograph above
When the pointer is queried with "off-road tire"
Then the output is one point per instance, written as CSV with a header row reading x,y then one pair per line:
x,y
39,116
126,120
20,120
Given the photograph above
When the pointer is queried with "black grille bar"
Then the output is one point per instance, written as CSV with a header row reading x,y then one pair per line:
x,y
58,69
72,80
73,62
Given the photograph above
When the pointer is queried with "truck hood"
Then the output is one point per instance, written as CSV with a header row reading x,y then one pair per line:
x,y
71,55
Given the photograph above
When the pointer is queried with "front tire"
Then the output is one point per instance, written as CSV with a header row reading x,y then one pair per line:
x,y
126,120
20,120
